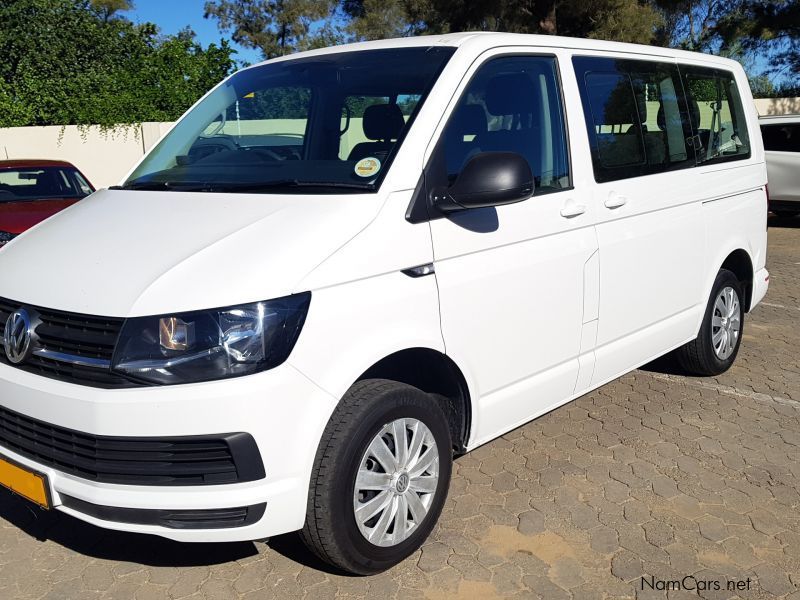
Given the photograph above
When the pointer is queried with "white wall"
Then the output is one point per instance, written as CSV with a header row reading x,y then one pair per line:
x,y
105,157
778,106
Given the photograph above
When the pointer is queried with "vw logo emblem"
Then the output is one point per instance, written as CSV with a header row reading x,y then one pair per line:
x,y
17,336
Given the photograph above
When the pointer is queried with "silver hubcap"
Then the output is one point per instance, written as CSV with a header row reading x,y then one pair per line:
x,y
396,482
726,323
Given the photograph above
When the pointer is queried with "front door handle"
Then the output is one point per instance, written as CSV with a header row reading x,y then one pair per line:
x,y
572,209
615,200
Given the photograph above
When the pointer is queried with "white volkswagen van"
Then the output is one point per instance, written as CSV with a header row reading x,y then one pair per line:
x,y
342,268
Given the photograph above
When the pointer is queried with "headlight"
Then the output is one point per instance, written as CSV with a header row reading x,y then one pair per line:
x,y
210,344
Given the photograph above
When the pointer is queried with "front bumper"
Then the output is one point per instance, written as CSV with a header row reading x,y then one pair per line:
x,y
282,409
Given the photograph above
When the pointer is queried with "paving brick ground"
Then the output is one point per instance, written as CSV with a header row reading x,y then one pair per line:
x,y
654,475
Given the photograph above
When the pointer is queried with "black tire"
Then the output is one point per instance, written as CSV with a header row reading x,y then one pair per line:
x,y
331,531
786,214
698,356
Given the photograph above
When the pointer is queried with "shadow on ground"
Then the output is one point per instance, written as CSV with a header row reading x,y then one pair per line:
x,y
100,543
783,221
149,550
666,364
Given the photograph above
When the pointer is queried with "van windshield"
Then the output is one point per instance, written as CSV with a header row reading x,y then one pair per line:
x,y
322,124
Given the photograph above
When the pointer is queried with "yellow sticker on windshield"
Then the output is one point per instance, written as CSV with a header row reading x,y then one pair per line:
x,y
367,167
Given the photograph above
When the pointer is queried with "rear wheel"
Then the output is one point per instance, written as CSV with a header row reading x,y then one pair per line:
x,y
380,477
717,343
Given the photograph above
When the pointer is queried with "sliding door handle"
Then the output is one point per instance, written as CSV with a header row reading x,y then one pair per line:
x,y
615,200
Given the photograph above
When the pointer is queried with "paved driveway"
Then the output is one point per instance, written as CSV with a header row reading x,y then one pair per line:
x,y
623,493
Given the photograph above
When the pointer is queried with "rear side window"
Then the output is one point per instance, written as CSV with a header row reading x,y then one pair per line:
x,y
512,104
718,120
636,117
781,137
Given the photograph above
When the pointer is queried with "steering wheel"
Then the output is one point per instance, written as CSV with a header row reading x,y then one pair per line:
x,y
271,154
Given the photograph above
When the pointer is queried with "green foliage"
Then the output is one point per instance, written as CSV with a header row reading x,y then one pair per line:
x,y
63,63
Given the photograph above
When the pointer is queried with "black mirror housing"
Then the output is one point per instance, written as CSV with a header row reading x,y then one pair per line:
x,y
488,179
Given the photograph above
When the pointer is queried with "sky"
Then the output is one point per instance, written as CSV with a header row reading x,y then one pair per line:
x,y
173,15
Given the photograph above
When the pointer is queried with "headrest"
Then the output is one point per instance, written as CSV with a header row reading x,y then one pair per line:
x,y
511,94
383,122
470,119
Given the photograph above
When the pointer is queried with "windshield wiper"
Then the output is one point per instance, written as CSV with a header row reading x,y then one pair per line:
x,y
296,183
180,186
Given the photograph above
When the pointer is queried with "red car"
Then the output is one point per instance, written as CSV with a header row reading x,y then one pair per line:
x,y
33,190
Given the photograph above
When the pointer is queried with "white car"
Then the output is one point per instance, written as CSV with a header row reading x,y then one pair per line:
x,y
782,145
344,267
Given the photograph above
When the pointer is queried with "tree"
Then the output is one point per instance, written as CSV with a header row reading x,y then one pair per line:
x,y
738,29
107,9
623,20
276,27
89,70
380,19
771,27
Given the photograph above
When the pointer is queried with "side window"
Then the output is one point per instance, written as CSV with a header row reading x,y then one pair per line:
x,y
781,137
635,115
718,120
512,104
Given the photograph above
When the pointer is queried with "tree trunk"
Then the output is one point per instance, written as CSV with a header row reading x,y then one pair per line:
x,y
546,11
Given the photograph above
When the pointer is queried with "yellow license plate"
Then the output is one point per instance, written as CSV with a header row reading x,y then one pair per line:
x,y
27,484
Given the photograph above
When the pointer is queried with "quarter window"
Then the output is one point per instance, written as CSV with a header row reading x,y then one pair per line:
x,y
718,119
513,104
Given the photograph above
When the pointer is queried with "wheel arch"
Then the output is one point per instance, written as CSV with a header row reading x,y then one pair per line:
x,y
740,264
434,373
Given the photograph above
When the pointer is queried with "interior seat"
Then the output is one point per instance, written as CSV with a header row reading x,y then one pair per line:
x,y
383,124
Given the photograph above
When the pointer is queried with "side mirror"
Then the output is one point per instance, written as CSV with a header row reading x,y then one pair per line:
x,y
488,179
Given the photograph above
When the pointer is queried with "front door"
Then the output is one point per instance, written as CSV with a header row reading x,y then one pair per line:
x,y
511,278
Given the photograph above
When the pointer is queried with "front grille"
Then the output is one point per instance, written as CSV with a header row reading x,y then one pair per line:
x,y
186,460
63,340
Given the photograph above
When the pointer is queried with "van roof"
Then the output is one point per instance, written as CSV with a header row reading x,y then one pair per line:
x,y
484,40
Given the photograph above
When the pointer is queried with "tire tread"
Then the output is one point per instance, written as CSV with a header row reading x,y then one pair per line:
x,y
314,534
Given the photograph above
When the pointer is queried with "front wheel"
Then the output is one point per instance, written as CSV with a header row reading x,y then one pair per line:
x,y
380,477
717,343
